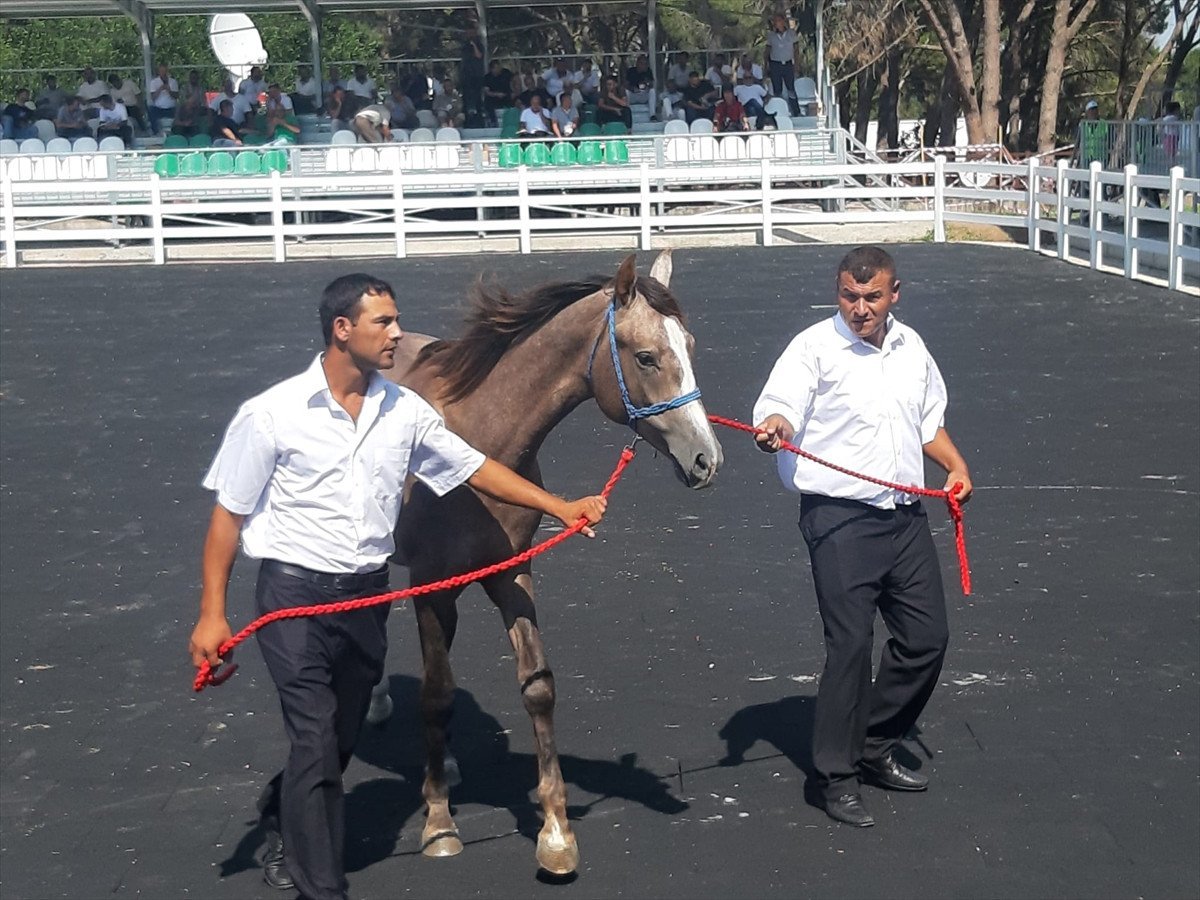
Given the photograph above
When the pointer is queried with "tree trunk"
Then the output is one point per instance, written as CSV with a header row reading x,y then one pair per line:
x,y
945,19
889,102
933,115
1154,66
1062,32
989,98
866,96
1186,43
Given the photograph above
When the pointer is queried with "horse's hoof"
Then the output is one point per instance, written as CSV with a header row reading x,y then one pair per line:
x,y
558,857
380,710
442,844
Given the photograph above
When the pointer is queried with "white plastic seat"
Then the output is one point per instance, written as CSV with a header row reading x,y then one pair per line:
x,y
776,106
58,145
416,156
784,123
702,148
399,135
447,134
388,158
806,95
446,153
421,135
85,145
676,148
32,145
702,126
99,165
112,144
733,147
344,136
759,147
45,130
9,147
675,126
787,145
21,168
426,119
338,160
73,167
363,159
805,123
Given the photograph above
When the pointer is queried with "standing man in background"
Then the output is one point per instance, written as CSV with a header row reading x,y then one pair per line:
x,y
781,54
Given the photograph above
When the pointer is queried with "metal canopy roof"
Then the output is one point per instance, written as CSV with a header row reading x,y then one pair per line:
x,y
40,9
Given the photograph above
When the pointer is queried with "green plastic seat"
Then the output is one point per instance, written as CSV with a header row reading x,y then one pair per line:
x,y
275,161
193,165
511,123
536,155
174,141
563,154
616,152
254,140
588,129
588,113
200,140
616,129
248,162
166,165
220,163
590,153
510,156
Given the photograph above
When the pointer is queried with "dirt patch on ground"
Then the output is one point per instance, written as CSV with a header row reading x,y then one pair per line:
x,y
966,231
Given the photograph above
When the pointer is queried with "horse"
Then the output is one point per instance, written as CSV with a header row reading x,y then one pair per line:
x,y
524,362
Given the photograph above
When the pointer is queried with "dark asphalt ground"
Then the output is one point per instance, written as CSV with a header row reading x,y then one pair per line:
x,y
1062,744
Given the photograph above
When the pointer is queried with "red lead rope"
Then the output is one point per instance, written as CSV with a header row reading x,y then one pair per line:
x,y
956,515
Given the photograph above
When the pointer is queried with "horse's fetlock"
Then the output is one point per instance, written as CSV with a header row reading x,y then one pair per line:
x,y
537,692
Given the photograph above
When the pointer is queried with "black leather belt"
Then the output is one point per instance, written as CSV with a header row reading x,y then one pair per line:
x,y
352,582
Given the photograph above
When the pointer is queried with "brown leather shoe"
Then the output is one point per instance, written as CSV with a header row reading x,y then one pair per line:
x,y
885,772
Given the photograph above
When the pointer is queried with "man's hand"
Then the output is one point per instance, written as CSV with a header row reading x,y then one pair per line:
x,y
955,477
590,508
773,431
207,637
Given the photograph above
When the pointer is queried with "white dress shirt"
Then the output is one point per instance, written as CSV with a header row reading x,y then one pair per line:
x,y
253,89
241,105
165,100
320,490
307,88
864,408
364,89
747,92
117,114
534,121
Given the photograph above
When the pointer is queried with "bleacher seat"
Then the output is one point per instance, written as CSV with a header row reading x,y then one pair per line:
x,y
30,146
9,147
806,95
400,135
509,156
363,159
426,119
563,154
58,145
112,144
676,149
732,147
783,123
193,165
220,163
447,134
389,158
590,153
275,161
588,113
588,129
616,152
166,165
614,129
344,136
776,106
536,155
421,136
338,160
174,142
202,139
701,126
248,162
45,130
702,147
85,145
787,145
759,146
675,126
511,123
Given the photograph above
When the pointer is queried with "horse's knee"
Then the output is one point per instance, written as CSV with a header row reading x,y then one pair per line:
x,y
537,692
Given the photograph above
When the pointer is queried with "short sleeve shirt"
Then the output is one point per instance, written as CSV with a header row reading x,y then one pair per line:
x,y
164,100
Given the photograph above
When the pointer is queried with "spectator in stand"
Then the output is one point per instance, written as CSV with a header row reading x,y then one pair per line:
x,y
362,85
539,91
372,124
565,117
613,105
639,82
730,115
418,90
587,80
470,74
497,90
524,84
91,89
281,126
189,118
781,54
718,73
558,78
751,94
193,92
341,106
253,87
17,118
748,66
534,121
334,81
404,113
239,104
698,98
448,105
164,93
49,99
672,97
304,98
125,92
114,120
72,120
224,129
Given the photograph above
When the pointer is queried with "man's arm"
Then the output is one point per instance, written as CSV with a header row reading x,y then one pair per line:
x,y
220,550
943,452
774,430
503,484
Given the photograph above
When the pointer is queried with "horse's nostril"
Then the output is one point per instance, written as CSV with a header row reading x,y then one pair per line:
x,y
701,464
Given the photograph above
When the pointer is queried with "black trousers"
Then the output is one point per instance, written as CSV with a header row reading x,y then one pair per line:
x,y
863,559
324,668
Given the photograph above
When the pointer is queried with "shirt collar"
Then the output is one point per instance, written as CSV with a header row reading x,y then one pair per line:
x,y
316,385
893,338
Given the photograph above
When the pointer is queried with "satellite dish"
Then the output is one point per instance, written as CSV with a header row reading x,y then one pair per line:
x,y
236,43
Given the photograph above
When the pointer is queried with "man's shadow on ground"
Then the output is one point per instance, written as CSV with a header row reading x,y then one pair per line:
x,y
786,724
379,810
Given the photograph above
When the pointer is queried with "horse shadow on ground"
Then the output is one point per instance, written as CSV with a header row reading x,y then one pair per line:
x,y
786,724
379,810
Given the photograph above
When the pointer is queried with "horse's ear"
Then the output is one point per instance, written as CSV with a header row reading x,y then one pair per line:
x,y
661,270
625,284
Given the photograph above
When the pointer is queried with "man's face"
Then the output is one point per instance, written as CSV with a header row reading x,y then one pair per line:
x,y
162,72
372,338
22,96
1093,114
360,73
255,73
89,75
273,92
535,103
642,63
193,77
864,305
51,82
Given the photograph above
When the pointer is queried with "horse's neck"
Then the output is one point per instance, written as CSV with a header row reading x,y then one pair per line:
x,y
533,387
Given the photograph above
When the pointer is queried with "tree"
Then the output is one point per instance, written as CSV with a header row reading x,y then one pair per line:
x,y
1062,31
958,41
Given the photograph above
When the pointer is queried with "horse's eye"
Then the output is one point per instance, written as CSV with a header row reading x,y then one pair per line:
x,y
645,360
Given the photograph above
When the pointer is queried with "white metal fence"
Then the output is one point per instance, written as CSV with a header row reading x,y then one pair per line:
x,y
1142,226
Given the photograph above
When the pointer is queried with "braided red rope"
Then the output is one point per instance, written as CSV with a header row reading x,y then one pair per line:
x,y
956,515
206,675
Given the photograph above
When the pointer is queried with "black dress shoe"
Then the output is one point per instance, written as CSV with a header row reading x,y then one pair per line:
x,y
849,809
275,870
885,772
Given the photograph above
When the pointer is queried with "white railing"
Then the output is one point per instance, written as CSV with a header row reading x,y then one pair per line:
x,y
1092,217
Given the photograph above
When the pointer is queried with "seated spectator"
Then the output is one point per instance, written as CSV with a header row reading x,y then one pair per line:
x,y
534,121
418,89
164,96
91,89
49,99
114,120
362,85
557,77
224,129
698,98
304,98
565,118
254,86
672,96
497,90
613,105
524,84
730,115
189,119
751,94
72,120
281,126
639,83
193,91
448,105
372,124
403,110
587,81
125,92
239,104
718,73
18,117
749,67
539,91
342,106
333,81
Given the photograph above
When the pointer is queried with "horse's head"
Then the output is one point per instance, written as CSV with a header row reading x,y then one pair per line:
x,y
644,347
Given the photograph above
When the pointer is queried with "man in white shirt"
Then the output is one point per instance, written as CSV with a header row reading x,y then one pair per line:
x,y
114,120
587,80
253,87
534,121
677,79
335,81
91,89
239,103
748,66
125,92
781,53
163,93
362,85
718,73
861,390
557,77
751,95
310,478
304,97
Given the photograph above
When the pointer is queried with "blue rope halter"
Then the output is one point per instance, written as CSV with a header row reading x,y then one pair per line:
x,y
633,413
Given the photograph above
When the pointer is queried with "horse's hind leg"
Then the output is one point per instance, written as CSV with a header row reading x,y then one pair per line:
x,y
437,619
557,848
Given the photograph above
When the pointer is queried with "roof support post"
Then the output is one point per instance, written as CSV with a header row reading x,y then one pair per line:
x,y
481,14
312,13
820,73
652,48
144,20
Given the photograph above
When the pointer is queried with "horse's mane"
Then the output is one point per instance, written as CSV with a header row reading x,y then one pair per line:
x,y
497,320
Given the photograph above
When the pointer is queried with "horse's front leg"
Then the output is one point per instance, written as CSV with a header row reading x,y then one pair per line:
x,y
557,849
437,619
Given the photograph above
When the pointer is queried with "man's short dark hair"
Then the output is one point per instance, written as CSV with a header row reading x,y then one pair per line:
x,y
343,296
864,263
